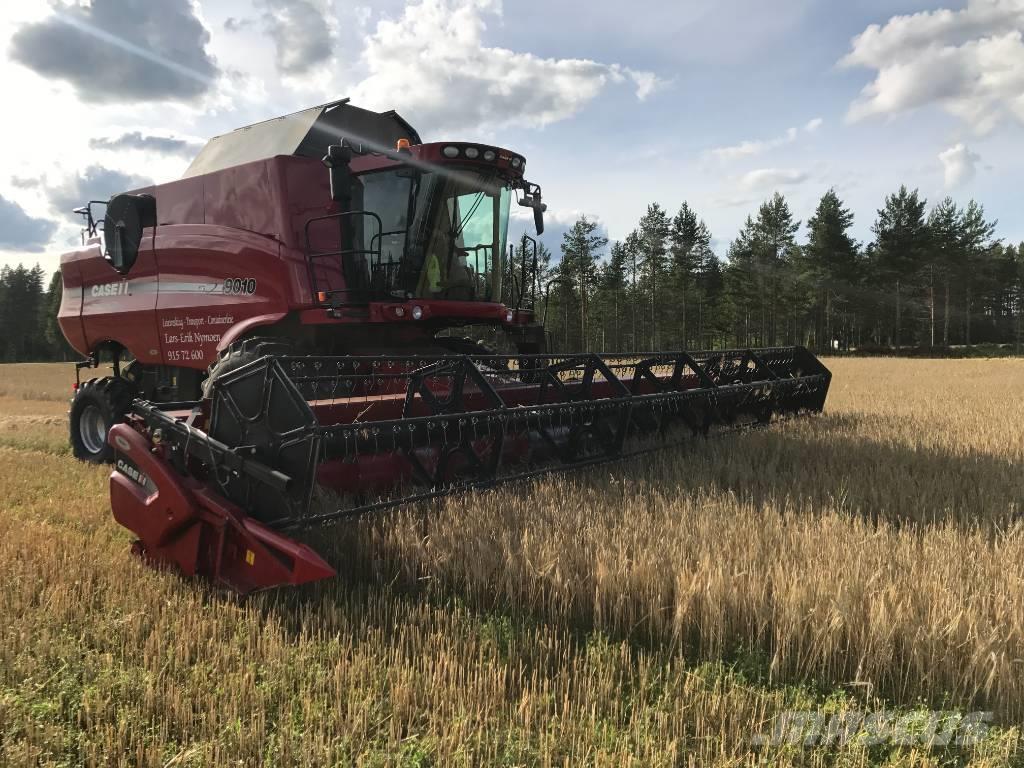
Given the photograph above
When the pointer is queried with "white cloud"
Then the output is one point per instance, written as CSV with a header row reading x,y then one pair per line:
x,y
562,216
300,31
431,63
121,50
94,183
970,62
959,165
138,140
556,223
646,82
757,147
748,189
768,179
21,232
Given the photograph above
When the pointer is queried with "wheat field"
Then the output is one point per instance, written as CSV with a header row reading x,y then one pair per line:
x,y
654,613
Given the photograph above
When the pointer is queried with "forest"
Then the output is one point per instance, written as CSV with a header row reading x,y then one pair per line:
x,y
930,279
28,315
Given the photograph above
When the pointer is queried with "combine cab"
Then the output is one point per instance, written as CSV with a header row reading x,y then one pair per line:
x,y
288,353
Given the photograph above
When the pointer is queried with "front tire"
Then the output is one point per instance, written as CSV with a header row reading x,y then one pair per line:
x,y
98,405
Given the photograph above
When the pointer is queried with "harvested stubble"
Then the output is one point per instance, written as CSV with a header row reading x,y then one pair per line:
x,y
870,553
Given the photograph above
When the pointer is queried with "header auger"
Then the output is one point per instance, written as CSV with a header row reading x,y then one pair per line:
x,y
287,351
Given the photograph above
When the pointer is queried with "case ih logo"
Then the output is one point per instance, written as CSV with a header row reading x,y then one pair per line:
x,y
111,289
127,469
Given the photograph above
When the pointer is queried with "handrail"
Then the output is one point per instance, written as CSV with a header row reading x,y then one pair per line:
x,y
341,253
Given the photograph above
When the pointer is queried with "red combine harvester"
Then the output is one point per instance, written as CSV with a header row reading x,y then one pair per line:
x,y
288,353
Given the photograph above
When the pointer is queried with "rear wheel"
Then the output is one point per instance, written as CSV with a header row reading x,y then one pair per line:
x,y
97,406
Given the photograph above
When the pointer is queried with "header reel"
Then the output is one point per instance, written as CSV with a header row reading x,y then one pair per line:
x,y
283,433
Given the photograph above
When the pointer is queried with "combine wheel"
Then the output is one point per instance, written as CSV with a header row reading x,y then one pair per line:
x,y
97,406
242,353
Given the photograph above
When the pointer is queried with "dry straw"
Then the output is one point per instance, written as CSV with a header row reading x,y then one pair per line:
x,y
870,557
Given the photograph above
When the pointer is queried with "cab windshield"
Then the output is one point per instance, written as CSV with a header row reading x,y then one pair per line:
x,y
441,234
464,239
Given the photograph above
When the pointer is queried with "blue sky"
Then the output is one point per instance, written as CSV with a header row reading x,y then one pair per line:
x,y
614,105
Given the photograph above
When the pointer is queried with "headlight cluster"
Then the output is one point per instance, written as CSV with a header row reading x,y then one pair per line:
x,y
474,153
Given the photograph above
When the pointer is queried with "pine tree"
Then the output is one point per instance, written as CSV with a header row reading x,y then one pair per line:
x,y
831,258
690,247
611,297
713,310
977,249
21,310
5,340
1018,336
654,231
945,224
577,277
901,239
631,251
1000,300
743,283
774,247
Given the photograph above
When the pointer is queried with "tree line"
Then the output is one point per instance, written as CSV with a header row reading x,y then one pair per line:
x,y
929,278
28,316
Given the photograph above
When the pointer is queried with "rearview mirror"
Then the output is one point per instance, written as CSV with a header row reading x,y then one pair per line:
x,y
337,161
126,217
532,199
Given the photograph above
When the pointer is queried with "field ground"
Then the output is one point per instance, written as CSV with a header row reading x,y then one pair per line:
x,y
652,614
34,404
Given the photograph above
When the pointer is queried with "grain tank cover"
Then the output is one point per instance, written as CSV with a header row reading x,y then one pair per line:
x,y
307,134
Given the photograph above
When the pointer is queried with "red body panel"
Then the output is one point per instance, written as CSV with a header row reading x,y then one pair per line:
x,y
182,524
176,304
197,264
116,307
69,315
227,256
